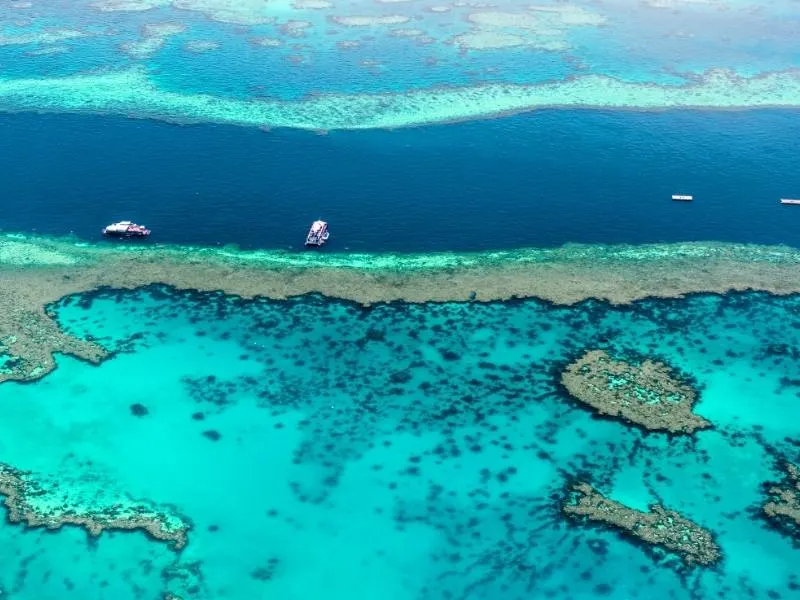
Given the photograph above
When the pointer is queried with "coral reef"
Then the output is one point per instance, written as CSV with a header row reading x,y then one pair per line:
x,y
134,92
645,394
37,271
19,489
658,527
783,505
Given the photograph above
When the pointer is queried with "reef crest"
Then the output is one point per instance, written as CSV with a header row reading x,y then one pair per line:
x,y
133,92
38,271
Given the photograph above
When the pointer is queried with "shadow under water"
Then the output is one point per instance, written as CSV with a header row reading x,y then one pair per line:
x,y
324,449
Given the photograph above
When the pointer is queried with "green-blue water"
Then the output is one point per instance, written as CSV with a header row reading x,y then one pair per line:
x,y
400,451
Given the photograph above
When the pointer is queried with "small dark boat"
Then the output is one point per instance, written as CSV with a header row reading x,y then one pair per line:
x,y
318,234
126,229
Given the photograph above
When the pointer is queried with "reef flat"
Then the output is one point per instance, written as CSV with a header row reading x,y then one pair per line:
x,y
37,271
658,527
23,499
646,394
132,92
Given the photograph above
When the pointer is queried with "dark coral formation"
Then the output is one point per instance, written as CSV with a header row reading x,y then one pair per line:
x,y
17,488
783,505
645,394
658,527
139,410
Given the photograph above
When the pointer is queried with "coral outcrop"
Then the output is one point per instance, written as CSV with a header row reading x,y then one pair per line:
x,y
20,491
659,527
647,394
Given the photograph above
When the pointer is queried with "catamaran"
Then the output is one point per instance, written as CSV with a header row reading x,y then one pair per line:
x,y
126,229
318,234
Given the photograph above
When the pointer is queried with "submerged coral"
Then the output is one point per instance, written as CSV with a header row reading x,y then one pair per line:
x,y
645,394
19,490
783,506
135,92
658,527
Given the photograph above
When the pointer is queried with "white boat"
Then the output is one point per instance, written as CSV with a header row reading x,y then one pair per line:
x,y
318,234
789,201
682,198
126,229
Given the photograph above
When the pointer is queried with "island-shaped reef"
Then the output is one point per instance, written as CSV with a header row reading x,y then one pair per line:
x,y
658,527
647,394
22,500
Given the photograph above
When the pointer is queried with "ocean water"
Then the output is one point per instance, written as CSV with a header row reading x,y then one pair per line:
x,y
399,451
321,449
539,179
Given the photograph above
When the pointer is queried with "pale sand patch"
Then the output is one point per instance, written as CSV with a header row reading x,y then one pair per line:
x,y
52,36
370,20
143,48
492,40
154,36
508,20
163,29
266,42
128,5
235,12
200,46
296,28
312,4
406,32
484,40
48,51
571,15
679,3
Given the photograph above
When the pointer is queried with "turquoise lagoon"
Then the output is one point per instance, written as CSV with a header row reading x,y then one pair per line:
x,y
322,449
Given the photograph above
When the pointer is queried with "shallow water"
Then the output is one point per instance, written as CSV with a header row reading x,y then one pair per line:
x,y
399,451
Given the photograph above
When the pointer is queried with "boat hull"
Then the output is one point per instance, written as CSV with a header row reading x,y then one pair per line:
x,y
126,234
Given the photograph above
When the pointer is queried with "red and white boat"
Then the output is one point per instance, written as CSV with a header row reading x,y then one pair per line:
x,y
318,234
126,229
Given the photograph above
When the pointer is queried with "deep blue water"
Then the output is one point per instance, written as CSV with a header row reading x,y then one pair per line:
x,y
540,179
